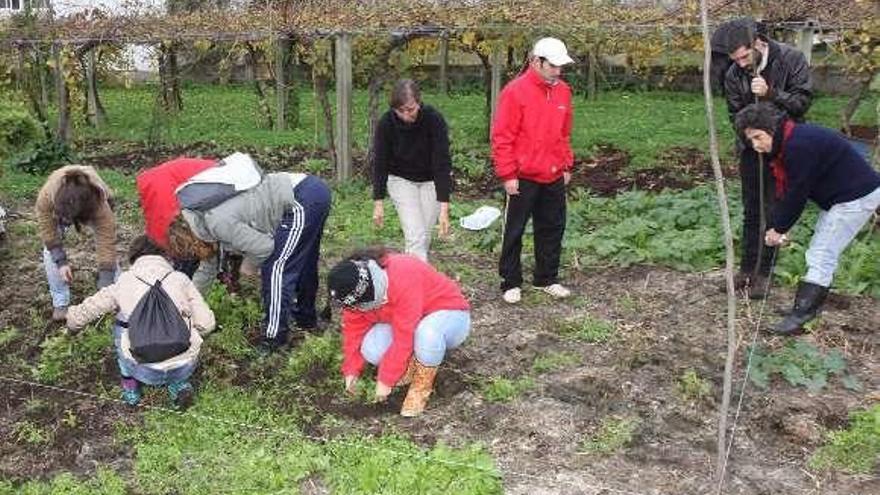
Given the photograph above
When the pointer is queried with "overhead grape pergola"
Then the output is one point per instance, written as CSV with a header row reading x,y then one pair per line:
x,y
485,28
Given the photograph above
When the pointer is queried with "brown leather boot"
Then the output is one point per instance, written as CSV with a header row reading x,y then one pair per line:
x,y
419,390
407,377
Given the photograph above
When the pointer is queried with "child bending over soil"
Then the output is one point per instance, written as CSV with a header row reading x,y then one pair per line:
x,y
149,265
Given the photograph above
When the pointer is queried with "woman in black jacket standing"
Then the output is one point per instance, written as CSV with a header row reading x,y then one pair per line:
x,y
411,164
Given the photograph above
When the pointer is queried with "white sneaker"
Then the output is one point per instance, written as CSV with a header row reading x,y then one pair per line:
x,y
556,290
512,296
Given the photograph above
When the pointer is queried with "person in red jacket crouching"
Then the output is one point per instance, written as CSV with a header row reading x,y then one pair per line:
x,y
531,149
401,315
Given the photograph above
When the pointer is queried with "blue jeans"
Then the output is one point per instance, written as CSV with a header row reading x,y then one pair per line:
x,y
437,332
835,229
58,288
144,374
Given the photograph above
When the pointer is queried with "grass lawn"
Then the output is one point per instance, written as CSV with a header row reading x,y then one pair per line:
x,y
642,123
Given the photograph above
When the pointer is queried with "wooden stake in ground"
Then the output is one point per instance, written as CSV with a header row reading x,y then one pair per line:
x,y
728,246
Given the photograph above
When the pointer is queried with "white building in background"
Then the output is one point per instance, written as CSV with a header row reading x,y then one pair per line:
x,y
141,58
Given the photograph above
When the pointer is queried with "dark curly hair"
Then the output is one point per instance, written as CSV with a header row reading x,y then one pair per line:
x,y
763,116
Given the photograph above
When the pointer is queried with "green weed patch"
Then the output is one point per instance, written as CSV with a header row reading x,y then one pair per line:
x,y
614,434
855,449
499,389
800,364
66,356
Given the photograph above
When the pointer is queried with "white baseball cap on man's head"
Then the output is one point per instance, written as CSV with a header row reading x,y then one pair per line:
x,y
553,50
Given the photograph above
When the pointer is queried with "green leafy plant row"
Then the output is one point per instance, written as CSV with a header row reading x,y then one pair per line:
x,y
800,364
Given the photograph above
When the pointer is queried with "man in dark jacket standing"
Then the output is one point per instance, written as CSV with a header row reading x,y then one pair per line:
x,y
762,70
531,149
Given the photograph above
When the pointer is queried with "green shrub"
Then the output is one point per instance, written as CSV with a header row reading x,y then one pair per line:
x,y
235,316
19,130
855,449
44,157
28,432
188,454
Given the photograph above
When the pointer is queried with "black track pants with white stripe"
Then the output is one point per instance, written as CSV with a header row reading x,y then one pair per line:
x,y
290,275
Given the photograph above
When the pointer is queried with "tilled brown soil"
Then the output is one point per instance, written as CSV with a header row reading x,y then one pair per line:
x,y
666,322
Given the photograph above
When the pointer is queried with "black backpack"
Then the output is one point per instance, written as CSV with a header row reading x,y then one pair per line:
x,y
156,330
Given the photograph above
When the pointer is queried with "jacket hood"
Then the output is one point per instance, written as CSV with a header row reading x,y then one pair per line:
x,y
197,223
151,265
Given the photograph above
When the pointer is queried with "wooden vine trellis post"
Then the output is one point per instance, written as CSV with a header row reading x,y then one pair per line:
x,y
728,248
343,106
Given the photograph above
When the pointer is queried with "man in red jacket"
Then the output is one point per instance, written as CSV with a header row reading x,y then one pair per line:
x,y
531,148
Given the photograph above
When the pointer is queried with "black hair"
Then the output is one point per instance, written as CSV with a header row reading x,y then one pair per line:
x,y
143,246
763,116
732,35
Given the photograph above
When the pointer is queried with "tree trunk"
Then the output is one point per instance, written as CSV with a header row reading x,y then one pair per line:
x,y
344,90
63,132
43,76
323,97
253,61
282,52
374,92
592,69
293,96
95,113
852,105
169,78
487,91
28,78
287,97
728,248
496,82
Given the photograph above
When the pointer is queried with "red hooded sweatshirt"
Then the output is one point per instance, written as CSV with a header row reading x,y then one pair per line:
x,y
531,133
415,290
156,188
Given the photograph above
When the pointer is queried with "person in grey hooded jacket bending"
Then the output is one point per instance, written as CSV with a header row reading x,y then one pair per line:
x,y
276,225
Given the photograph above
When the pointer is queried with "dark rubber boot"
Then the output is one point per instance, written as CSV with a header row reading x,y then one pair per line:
x,y
758,285
807,301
